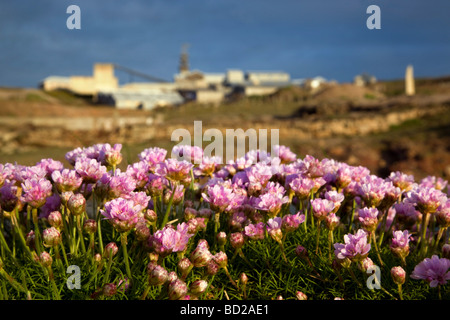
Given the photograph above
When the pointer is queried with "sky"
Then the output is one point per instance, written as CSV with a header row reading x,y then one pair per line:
x,y
305,38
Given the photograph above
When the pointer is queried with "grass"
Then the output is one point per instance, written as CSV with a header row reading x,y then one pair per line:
x,y
269,276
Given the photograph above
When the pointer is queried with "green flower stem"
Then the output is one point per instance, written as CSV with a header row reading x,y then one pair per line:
x,y
230,278
282,251
147,290
438,239
169,206
330,244
80,234
354,277
400,292
37,232
311,214
353,216
56,295
18,231
99,232
123,240
317,236
423,242
64,254
376,248
108,269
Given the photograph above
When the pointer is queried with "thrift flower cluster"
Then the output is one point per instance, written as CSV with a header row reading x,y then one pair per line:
x,y
188,217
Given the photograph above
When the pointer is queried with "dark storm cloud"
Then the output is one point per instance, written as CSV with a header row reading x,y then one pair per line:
x,y
304,38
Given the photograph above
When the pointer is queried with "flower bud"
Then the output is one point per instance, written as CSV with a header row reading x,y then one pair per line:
x,y
212,268
153,256
276,234
109,289
177,289
30,240
110,249
198,287
446,251
46,259
367,263
55,219
200,256
51,237
189,213
172,276
97,258
301,296
65,196
151,216
280,297
345,263
332,221
244,279
142,232
205,213
113,157
301,252
77,204
221,238
237,240
184,267
123,285
398,275
221,259
90,226
157,276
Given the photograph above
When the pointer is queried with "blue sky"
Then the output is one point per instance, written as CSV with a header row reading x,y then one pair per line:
x,y
305,38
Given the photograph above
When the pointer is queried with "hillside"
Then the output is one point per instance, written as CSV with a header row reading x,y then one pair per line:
x,y
375,126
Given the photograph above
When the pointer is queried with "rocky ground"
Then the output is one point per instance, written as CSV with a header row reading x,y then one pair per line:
x,y
375,126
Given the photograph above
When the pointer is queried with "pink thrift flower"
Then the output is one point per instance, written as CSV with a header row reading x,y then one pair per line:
x,y
219,197
36,191
355,247
121,213
406,213
120,185
89,169
66,180
174,169
153,156
322,207
372,190
291,222
50,165
192,154
368,217
400,243
426,200
336,197
255,231
301,186
139,173
434,270
170,240
402,180
284,153
443,214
